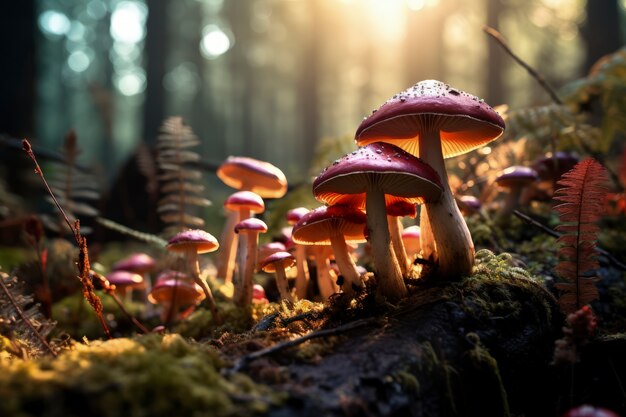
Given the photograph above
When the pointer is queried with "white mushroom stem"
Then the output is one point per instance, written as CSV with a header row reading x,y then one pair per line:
x,y
347,267
244,287
390,282
395,232
302,279
325,282
194,262
427,240
281,283
229,245
455,249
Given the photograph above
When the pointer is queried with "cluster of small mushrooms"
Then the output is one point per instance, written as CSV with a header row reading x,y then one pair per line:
x,y
398,165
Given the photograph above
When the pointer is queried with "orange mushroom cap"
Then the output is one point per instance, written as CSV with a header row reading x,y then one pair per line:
x,y
250,174
277,260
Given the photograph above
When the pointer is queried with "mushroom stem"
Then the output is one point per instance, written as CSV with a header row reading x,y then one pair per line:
x,y
302,279
281,283
243,292
242,248
229,244
510,203
347,267
325,282
390,282
455,249
395,232
427,240
195,273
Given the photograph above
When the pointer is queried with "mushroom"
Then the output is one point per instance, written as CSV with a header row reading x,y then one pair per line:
x,y
139,263
173,294
277,263
125,281
468,204
434,121
515,178
241,206
302,278
258,294
411,240
380,174
250,228
394,214
248,174
267,249
191,243
335,226
326,283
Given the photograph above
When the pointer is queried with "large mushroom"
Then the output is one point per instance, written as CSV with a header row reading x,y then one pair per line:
x,y
335,226
380,174
435,121
191,243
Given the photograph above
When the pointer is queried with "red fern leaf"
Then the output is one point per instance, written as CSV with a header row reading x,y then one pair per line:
x,y
582,198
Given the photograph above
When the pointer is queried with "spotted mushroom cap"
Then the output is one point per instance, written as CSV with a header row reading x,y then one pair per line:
x,y
197,239
263,178
316,227
138,262
465,122
246,200
400,175
277,260
517,176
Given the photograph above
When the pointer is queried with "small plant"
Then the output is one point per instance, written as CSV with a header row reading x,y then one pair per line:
x,y
582,196
179,183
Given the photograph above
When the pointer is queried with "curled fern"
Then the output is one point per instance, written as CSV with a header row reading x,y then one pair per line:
x,y
582,197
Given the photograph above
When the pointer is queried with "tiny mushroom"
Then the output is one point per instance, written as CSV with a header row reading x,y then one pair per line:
x,y
250,228
468,204
335,226
302,278
258,294
173,294
268,248
191,243
125,281
411,240
380,174
241,206
435,121
139,263
277,263
248,174
515,178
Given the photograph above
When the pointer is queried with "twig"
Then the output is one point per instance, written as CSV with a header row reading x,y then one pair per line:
x,y
612,259
83,255
245,360
502,42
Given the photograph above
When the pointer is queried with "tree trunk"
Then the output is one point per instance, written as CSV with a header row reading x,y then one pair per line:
x,y
601,30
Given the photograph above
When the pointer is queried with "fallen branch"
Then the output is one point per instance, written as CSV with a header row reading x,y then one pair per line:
x,y
245,360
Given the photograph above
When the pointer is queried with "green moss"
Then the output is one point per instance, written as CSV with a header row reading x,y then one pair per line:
x,y
151,375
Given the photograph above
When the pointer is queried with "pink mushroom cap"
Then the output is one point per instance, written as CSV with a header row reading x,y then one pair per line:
x,y
198,240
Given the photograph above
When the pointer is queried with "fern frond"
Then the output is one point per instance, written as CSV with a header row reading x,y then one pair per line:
x,y
179,192
22,319
582,198
74,188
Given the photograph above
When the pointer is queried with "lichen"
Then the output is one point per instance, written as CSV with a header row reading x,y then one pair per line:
x,y
151,375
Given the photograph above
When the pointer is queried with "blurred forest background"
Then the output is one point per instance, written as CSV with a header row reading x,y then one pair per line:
x,y
269,79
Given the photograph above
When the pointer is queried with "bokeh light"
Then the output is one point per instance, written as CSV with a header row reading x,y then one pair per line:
x,y
128,22
215,42
130,83
54,23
